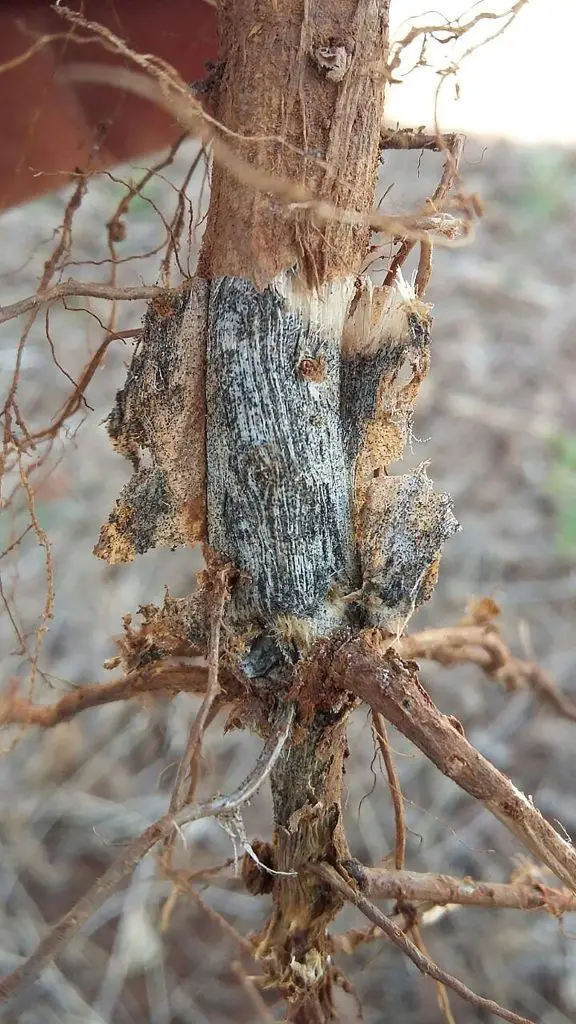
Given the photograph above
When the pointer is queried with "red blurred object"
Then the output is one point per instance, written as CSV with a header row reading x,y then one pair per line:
x,y
49,128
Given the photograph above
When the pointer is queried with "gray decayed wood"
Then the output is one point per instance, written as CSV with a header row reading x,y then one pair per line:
x,y
299,438
404,524
361,379
306,406
400,522
386,338
278,494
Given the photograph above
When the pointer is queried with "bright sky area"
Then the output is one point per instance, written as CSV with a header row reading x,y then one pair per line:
x,y
520,86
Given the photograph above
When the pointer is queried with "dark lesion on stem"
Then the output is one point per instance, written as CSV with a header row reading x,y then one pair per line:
x,y
307,791
307,796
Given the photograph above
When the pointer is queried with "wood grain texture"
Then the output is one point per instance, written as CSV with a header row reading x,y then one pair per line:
x,y
278,495
299,438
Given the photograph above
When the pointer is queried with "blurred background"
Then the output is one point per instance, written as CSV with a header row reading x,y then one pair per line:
x,y
496,420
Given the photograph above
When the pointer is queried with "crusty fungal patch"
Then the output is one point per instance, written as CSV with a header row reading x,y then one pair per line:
x,y
158,423
403,526
142,518
386,338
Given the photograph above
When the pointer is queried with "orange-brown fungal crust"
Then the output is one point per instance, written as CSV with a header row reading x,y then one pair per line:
x,y
399,522
386,336
159,417
115,543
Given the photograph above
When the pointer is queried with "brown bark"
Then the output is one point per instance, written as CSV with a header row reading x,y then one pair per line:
x,y
307,793
306,81
440,890
392,688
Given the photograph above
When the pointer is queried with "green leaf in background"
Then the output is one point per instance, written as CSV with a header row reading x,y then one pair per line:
x,y
562,490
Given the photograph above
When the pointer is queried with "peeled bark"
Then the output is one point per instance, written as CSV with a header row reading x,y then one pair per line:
x,y
158,424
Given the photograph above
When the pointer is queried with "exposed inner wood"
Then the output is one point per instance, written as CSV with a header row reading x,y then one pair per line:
x,y
278,497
